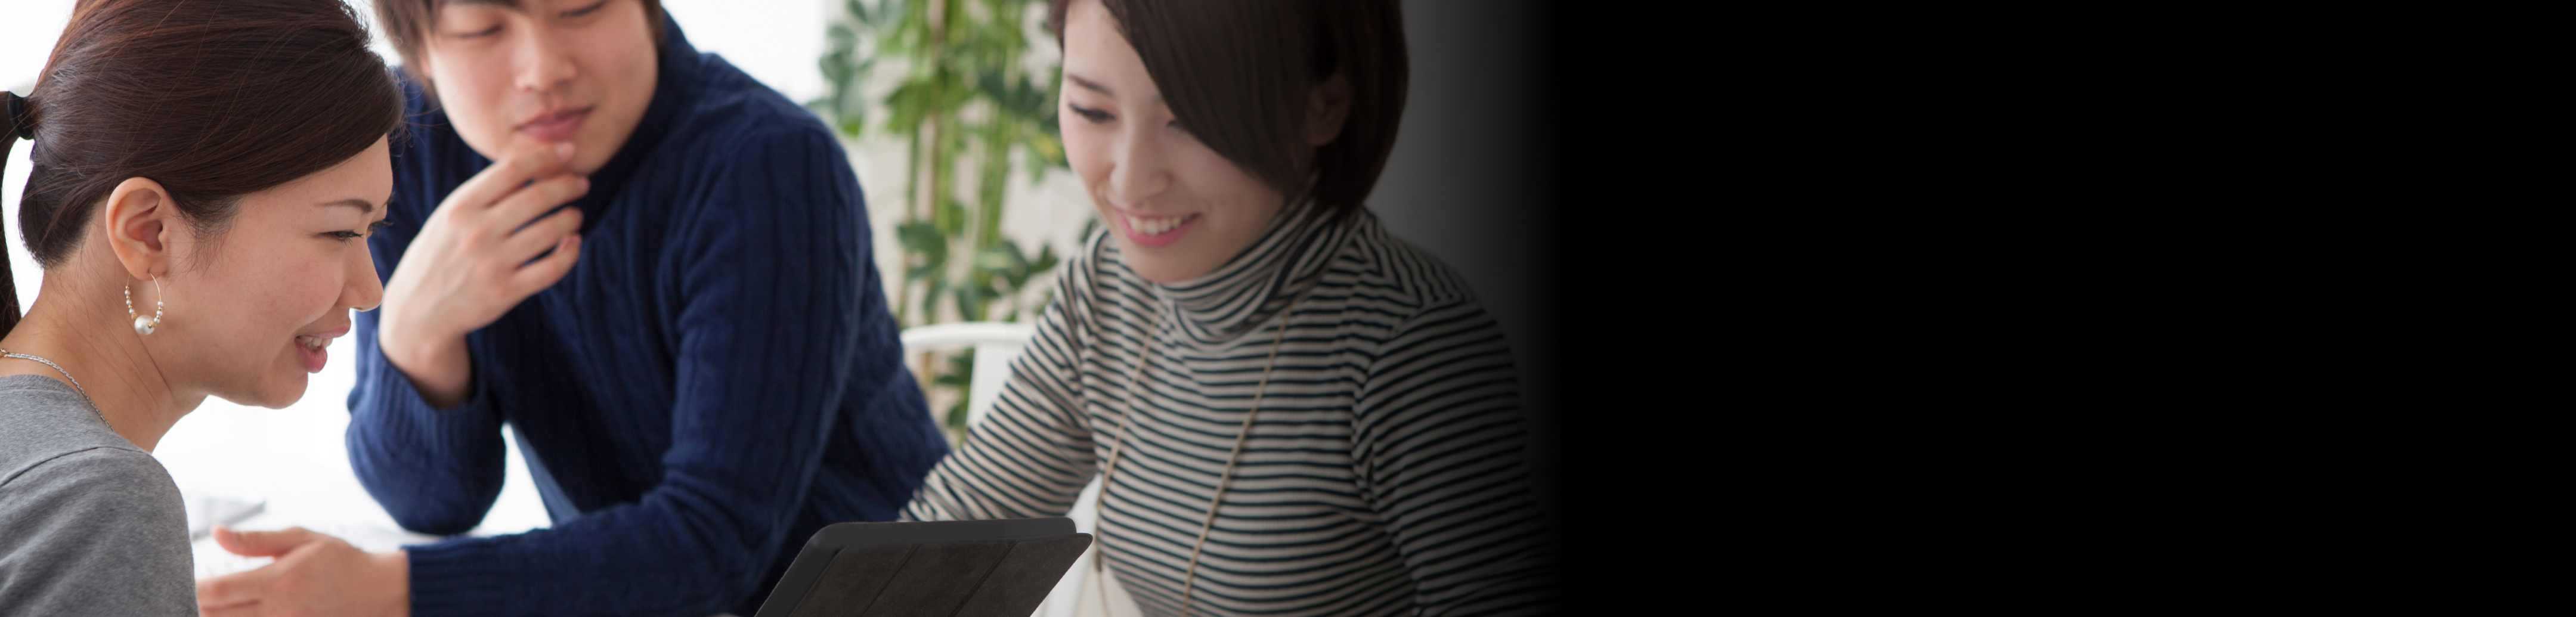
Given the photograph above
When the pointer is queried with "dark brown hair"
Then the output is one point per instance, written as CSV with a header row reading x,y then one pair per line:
x,y
408,24
1237,74
213,100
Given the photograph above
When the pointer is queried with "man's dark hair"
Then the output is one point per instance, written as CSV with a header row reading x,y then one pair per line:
x,y
1238,74
408,24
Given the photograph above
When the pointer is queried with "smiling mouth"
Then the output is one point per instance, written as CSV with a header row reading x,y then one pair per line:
x,y
1155,226
314,349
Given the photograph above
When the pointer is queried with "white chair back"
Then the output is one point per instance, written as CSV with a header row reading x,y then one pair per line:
x,y
996,343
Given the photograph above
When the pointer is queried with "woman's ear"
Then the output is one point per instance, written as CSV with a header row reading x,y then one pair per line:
x,y
141,221
1326,107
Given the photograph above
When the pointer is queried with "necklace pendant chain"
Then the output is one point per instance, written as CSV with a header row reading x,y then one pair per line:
x,y
1189,583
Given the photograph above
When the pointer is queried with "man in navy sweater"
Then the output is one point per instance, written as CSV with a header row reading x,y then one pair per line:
x,y
696,353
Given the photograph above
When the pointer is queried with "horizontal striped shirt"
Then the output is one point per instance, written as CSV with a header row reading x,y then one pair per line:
x,y
1384,474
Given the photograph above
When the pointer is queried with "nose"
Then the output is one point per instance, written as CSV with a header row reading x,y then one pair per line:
x,y
1139,172
541,63
364,291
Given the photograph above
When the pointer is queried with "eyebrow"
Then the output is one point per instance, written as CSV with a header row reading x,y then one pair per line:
x,y
361,204
1088,84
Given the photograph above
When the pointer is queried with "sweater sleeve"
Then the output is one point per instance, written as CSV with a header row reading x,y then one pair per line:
x,y
436,471
1439,450
764,292
1032,455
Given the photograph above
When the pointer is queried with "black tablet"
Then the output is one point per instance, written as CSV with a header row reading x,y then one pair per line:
x,y
993,568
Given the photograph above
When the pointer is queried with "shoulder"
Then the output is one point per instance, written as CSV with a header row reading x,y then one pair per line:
x,y
105,479
98,496
1383,268
99,531
42,420
57,458
738,122
741,148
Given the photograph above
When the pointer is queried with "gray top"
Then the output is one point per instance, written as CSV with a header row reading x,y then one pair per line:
x,y
89,524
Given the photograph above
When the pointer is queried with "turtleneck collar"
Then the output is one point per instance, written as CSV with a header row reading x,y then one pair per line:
x,y
675,85
1252,288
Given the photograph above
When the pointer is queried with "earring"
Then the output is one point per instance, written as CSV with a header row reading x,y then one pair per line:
x,y
143,325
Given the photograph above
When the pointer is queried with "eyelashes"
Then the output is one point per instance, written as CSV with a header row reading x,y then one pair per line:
x,y
584,11
1096,116
344,236
571,14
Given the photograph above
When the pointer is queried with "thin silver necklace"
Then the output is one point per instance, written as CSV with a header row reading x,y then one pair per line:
x,y
76,385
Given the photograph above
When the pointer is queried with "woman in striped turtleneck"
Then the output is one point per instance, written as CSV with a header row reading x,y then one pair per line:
x,y
1293,412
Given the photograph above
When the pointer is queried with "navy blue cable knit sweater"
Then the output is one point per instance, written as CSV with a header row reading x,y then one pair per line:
x,y
718,377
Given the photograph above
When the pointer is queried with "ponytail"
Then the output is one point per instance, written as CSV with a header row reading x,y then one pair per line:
x,y
15,123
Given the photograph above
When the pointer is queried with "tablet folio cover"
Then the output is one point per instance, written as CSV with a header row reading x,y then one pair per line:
x,y
990,568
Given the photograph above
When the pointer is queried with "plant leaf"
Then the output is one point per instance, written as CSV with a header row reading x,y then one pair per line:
x,y
1045,261
923,238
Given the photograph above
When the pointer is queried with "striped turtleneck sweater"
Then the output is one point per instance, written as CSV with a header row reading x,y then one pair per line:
x,y
1384,474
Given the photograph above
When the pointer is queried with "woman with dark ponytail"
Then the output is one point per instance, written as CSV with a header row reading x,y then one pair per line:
x,y
204,177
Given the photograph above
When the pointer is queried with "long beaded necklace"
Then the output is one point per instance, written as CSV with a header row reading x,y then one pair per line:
x,y
1109,476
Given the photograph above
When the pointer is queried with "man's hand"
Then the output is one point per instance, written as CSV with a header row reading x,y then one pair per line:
x,y
470,264
315,575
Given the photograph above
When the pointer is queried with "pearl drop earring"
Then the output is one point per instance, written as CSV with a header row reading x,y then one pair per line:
x,y
144,325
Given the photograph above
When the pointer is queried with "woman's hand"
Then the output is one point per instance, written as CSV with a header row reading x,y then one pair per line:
x,y
314,574
470,264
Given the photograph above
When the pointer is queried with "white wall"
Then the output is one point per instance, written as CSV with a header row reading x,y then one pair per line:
x,y
776,41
